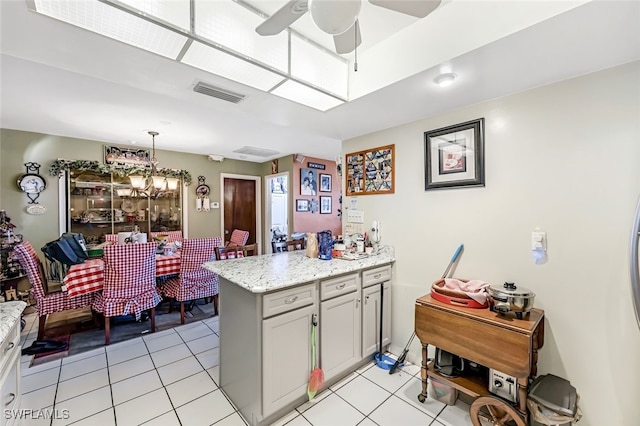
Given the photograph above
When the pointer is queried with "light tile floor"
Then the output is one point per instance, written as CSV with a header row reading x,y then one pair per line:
x,y
171,378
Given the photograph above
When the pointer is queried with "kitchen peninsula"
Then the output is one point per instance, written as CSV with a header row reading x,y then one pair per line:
x,y
268,305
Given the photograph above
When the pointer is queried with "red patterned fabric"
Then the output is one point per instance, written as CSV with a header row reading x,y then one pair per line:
x,y
130,280
194,281
238,238
88,277
172,236
45,303
113,238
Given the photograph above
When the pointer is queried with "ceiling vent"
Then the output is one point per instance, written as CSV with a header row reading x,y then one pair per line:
x,y
258,152
217,92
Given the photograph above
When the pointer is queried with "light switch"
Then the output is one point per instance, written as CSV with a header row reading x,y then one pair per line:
x,y
538,240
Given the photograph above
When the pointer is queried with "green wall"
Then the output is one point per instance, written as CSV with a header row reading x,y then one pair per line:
x,y
17,148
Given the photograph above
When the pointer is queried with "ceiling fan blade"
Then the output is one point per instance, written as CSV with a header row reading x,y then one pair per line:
x,y
285,16
417,8
348,40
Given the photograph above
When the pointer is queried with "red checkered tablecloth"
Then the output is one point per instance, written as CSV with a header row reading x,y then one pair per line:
x,y
88,276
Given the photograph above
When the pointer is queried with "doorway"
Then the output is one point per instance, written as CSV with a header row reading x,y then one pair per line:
x,y
241,206
276,208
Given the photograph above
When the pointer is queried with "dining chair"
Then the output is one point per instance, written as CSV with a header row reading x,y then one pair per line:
x,y
236,251
112,238
282,246
171,236
129,283
46,303
194,281
238,238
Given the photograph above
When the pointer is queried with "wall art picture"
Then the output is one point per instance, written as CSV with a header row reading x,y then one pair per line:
x,y
325,204
325,183
454,156
303,205
371,171
308,182
120,156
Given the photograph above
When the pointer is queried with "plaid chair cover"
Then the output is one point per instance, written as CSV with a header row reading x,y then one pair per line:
x,y
172,236
238,238
194,281
46,303
112,238
129,280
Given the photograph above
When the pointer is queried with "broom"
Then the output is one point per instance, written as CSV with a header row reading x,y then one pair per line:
x,y
316,379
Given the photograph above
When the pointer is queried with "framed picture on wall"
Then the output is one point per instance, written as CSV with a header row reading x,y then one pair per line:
x,y
121,156
454,156
325,183
308,182
370,171
325,205
302,205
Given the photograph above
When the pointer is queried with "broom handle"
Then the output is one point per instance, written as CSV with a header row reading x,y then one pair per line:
x,y
314,323
403,355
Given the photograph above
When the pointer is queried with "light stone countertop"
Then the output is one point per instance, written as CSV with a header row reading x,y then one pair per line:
x,y
10,312
261,274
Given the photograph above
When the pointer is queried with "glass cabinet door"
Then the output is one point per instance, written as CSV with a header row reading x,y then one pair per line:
x,y
99,204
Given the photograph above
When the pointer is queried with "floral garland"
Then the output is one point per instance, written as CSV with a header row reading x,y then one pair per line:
x,y
60,166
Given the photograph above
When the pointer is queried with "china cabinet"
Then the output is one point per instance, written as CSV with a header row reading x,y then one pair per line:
x,y
98,204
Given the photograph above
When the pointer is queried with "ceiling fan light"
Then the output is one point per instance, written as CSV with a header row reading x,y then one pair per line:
x,y
444,80
334,16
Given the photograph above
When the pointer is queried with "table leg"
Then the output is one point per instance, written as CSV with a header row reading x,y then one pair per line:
x,y
423,374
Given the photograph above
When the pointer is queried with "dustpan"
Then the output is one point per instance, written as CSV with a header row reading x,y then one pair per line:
x,y
316,379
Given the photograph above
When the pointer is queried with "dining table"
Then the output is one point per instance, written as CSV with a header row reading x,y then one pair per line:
x,y
88,276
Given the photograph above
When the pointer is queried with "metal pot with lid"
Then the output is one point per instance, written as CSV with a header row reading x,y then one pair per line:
x,y
511,298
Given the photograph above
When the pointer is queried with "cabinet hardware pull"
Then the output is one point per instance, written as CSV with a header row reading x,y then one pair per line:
x,y
291,300
357,303
12,396
10,346
378,275
340,286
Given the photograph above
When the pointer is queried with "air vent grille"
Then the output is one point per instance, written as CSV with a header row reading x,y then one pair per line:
x,y
258,152
217,92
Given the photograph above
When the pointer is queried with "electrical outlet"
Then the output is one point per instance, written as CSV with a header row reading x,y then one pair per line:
x,y
355,216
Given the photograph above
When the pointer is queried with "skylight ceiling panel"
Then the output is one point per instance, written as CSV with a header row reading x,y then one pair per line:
x,y
233,26
318,67
305,95
174,12
225,65
114,23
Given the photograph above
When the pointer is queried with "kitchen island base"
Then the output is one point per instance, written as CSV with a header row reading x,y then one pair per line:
x,y
265,337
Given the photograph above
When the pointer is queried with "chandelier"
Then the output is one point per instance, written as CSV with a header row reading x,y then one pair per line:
x,y
156,184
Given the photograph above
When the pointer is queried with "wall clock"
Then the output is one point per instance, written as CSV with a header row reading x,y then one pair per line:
x,y
31,183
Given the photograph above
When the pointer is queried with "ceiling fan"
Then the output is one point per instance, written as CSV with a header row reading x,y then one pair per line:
x,y
339,17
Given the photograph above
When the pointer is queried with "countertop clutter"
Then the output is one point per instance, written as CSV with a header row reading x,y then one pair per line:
x,y
261,274
10,313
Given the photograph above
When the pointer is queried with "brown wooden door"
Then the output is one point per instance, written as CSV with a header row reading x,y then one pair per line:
x,y
240,207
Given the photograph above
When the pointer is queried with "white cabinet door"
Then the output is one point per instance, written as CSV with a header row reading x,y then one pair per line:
x,y
286,357
340,333
371,318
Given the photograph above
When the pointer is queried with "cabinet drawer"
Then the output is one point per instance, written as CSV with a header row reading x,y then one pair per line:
x,y
376,275
340,285
288,300
10,344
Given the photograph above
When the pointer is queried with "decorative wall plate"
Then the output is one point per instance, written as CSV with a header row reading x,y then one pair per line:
x,y
32,183
203,190
36,209
128,206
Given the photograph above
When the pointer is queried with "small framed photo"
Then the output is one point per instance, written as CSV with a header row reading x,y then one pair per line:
x,y
120,156
454,156
325,205
302,205
325,183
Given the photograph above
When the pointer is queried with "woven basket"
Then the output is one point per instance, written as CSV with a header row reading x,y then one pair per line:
x,y
454,297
